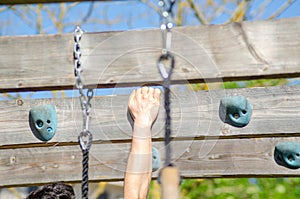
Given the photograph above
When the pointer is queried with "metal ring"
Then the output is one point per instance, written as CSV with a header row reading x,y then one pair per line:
x,y
166,74
85,146
90,93
77,34
77,51
77,67
78,82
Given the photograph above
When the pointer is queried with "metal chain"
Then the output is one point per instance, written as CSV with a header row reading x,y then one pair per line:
x,y
166,72
85,102
166,23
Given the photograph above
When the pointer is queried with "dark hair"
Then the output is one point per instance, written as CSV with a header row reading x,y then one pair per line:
x,y
53,191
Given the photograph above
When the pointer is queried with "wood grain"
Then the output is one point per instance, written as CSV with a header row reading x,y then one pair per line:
x,y
237,51
195,115
225,158
203,146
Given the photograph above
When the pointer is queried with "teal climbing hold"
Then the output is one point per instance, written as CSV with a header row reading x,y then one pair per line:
x,y
235,110
43,121
155,159
287,154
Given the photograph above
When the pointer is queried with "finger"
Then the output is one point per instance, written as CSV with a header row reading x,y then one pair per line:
x,y
138,94
151,94
145,90
150,91
138,91
157,93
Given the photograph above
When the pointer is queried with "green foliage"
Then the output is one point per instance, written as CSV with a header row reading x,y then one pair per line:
x,y
241,84
239,188
243,188
255,83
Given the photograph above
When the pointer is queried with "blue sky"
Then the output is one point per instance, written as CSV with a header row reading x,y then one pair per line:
x,y
124,15
292,11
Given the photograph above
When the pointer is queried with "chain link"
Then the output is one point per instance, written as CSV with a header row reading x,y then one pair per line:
x,y
84,99
85,137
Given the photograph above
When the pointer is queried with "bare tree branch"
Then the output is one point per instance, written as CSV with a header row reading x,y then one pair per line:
x,y
5,8
59,23
15,193
199,15
89,13
239,13
282,9
151,5
204,11
39,20
219,9
24,15
259,11
180,8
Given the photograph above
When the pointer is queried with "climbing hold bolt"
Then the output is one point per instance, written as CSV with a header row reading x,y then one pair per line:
x,y
235,110
155,159
287,154
43,121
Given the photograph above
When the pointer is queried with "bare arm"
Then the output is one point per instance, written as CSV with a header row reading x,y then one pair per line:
x,y
143,105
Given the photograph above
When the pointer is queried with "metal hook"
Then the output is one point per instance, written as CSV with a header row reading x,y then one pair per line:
x,y
85,146
164,72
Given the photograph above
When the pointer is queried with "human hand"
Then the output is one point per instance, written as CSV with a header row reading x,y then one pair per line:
x,y
144,105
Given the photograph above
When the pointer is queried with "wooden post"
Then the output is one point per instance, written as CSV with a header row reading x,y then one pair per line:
x,y
170,180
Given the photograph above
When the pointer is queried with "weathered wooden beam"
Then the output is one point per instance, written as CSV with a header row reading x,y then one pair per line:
x,y
15,2
195,115
195,159
237,51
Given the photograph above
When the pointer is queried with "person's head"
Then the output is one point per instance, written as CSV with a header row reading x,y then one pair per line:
x,y
53,191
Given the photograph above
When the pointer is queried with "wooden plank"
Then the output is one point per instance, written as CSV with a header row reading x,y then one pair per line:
x,y
227,158
15,2
195,115
237,51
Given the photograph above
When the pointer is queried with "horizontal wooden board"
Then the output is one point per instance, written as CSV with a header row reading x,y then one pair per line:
x,y
14,2
195,115
225,158
237,51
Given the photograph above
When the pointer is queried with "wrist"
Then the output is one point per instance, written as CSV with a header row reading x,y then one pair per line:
x,y
142,123
141,131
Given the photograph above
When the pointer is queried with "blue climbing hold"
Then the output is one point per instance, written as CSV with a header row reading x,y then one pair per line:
x,y
235,110
287,154
155,159
43,121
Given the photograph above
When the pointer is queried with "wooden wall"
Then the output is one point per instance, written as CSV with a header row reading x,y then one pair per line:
x,y
203,146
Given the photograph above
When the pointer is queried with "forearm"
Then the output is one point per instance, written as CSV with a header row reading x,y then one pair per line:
x,y
139,164
143,105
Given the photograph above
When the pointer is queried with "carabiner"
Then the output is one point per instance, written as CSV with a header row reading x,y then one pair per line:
x,y
164,72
